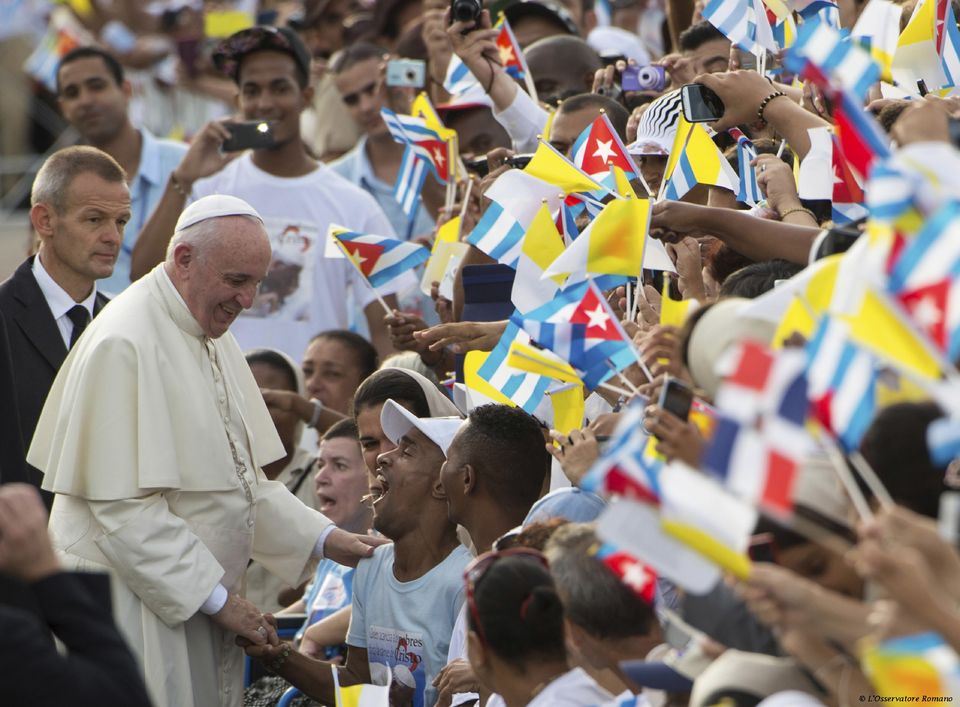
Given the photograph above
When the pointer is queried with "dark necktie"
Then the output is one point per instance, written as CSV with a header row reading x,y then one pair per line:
x,y
80,316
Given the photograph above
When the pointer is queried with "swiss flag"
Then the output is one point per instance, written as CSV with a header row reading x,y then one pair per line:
x,y
928,308
366,255
602,148
637,576
594,313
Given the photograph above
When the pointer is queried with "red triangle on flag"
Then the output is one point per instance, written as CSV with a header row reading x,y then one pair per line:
x,y
846,188
601,150
928,308
597,318
366,255
439,154
619,482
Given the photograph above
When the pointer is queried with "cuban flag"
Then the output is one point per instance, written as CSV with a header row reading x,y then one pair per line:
x,y
925,279
378,258
842,381
749,190
579,326
743,22
523,388
629,467
861,138
822,52
409,184
426,143
598,147
499,235
511,56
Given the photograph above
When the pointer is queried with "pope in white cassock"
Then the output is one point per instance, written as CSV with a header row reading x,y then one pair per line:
x,y
153,436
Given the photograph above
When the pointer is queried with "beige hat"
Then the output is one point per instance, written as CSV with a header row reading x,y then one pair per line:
x,y
214,206
721,326
753,673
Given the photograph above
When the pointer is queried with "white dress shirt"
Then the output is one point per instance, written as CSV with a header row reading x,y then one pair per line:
x,y
59,301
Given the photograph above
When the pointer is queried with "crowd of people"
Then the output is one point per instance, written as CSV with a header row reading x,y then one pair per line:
x,y
243,463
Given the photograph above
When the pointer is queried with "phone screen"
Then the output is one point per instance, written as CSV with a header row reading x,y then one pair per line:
x,y
676,398
700,104
248,135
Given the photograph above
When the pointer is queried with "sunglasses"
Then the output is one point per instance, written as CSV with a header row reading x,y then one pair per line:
x,y
478,568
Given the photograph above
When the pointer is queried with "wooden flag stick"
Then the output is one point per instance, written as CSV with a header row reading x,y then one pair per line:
x,y
623,379
870,478
839,463
638,293
616,389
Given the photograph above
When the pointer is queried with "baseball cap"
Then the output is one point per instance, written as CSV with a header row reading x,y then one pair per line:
x,y
658,126
569,503
396,421
546,9
228,55
656,675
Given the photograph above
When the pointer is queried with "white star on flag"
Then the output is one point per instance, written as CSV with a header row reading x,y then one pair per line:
x,y
506,54
438,156
598,317
927,313
604,150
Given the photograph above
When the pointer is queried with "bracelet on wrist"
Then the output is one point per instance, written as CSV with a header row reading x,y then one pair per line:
x,y
798,209
765,102
274,665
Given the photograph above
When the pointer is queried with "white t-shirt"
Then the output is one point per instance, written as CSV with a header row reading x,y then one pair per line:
x,y
304,292
572,689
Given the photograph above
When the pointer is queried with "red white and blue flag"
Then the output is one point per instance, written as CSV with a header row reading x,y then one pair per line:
x,y
426,143
579,326
598,147
378,258
511,55
759,437
926,279
842,383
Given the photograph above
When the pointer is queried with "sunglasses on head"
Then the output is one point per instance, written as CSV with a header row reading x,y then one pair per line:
x,y
479,567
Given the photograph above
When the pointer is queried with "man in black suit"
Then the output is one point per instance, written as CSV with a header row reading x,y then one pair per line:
x,y
98,667
78,207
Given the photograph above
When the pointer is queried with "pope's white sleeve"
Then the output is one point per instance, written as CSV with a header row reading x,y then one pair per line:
x,y
285,533
157,555
523,120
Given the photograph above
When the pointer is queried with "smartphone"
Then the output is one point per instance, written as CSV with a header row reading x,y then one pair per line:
x,y
248,135
519,161
762,548
406,73
700,104
478,166
676,397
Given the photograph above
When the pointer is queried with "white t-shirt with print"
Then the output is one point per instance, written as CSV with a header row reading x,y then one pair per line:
x,y
406,626
304,292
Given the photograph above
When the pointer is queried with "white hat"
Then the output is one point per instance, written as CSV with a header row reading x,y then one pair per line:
x,y
214,206
658,126
606,40
396,421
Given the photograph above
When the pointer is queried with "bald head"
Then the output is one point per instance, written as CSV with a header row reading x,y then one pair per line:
x,y
217,265
562,66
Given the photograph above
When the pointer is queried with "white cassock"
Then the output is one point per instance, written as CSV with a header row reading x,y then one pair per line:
x,y
152,437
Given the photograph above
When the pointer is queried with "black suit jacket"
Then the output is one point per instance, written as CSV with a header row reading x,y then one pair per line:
x,y
98,668
36,349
